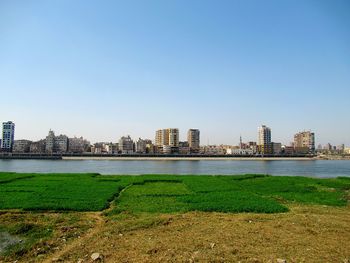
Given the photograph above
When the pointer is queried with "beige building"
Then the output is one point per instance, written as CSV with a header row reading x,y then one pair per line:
x,y
167,137
304,142
193,138
162,137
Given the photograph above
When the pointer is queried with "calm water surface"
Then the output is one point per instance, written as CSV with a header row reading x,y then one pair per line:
x,y
312,168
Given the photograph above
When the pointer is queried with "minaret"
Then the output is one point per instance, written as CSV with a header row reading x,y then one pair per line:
x,y
240,142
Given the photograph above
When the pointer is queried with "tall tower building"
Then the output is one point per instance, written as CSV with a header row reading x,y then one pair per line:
x,y
174,137
193,139
264,140
304,142
8,136
167,140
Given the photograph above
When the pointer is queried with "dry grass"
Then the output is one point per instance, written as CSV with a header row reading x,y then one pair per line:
x,y
42,234
305,234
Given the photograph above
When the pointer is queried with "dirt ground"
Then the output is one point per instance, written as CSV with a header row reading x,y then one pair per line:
x,y
305,234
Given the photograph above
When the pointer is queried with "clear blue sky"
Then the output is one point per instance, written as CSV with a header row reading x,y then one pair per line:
x,y
103,69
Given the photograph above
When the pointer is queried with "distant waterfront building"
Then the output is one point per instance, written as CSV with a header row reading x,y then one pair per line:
x,y
328,147
111,148
38,147
252,146
162,137
276,147
61,143
167,137
193,138
78,145
50,142
304,142
126,145
340,148
264,140
239,151
287,150
174,137
8,136
184,148
97,148
21,146
56,144
213,149
143,146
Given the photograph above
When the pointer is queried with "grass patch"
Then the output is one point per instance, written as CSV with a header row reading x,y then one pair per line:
x,y
167,193
61,192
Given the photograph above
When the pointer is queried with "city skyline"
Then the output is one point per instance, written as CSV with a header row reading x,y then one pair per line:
x,y
166,141
112,69
183,136
171,137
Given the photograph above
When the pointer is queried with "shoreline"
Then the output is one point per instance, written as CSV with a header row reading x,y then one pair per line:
x,y
81,158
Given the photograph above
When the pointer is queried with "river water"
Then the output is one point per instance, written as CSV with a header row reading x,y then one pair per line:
x,y
311,168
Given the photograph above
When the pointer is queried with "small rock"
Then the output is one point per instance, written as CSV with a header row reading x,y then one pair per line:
x,y
280,260
55,260
120,234
96,256
79,261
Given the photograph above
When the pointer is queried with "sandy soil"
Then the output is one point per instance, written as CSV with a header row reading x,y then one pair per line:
x,y
306,234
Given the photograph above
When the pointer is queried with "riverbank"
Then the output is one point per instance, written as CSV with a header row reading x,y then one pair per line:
x,y
160,157
178,158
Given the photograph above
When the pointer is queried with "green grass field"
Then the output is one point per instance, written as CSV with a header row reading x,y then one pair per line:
x,y
167,193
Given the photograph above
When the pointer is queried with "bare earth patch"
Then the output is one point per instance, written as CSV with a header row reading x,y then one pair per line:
x,y
305,234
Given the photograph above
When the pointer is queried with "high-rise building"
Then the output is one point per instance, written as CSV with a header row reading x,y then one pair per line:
x,y
162,137
174,137
8,136
264,140
167,139
304,142
193,138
